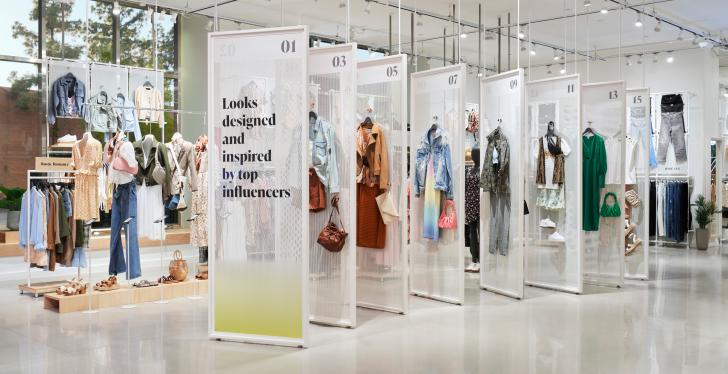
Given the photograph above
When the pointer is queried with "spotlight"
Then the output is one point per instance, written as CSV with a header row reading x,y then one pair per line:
x,y
629,62
548,69
587,3
638,22
521,34
342,4
533,49
563,69
658,27
368,8
116,10
556,55
488,35
209,25
523,47
725,94
604,9
639,59
419,19
695,40
654,58
670,59
463,36
680,35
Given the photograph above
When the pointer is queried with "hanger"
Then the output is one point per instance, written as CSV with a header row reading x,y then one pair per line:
x,y
588,130
368,120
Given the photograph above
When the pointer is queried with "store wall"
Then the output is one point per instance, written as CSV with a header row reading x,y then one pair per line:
x,y
695,71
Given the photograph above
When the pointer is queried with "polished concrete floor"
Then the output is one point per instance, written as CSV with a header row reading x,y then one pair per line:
x,y
677,323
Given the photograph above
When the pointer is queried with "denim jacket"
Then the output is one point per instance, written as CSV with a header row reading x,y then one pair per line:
x,y
496,177
100,113
435,144
127,116
322,142
58,100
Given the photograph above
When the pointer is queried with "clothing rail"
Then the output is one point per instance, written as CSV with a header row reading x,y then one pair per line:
x,y
150,109
31,177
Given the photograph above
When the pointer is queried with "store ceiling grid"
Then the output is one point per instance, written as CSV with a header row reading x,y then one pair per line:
x,y
370,23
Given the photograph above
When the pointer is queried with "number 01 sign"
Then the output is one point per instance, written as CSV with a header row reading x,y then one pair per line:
x,y
257,225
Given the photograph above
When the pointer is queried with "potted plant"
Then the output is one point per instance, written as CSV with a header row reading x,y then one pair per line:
x,y
704,211
12,200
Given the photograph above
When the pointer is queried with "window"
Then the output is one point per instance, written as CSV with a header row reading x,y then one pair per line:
x,y
100,32
19,27
137,47
65,28
165,41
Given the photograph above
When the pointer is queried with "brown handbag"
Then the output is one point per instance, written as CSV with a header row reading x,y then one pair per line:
x,y
331,237
316,192
178,267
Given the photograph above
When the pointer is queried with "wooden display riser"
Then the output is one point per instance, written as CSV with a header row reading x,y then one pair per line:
x,y
122,296
40,288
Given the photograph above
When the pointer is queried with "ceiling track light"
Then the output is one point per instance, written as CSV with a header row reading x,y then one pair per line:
x,y
629,62
587,3
463,36
533,49
563,69
680,35
604,9
654,58
209,25
639,59
658,26
556,55
638,21
548,69
419,19
670,58
522,33
342,4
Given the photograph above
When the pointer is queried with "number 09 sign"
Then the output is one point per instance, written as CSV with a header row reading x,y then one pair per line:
x,y
258,226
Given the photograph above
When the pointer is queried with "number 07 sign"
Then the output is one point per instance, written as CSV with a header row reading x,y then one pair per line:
x,y
257,219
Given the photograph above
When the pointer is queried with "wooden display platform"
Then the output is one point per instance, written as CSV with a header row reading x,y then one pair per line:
x,y
40,288
122,296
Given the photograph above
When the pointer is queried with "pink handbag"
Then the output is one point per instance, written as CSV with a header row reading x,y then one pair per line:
x,y
448,218
118,162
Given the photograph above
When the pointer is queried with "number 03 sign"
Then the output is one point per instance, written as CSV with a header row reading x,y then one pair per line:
x,y
258,226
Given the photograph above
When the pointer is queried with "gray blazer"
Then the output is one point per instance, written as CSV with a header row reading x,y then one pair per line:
x,y
185,155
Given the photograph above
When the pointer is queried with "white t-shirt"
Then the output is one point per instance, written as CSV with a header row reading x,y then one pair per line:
x,y
126,151
549,160
613,145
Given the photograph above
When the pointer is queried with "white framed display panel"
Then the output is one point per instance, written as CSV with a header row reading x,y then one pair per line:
x,y
550,262
111,79
437,255
382,275
259,256
639,129
58,69
670,167
332,96
502,106
603,110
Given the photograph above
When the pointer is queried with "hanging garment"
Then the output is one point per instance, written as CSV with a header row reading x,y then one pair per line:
x,y
653,208
66,98
641,129
322,140
125,206
371,232
500,221
149,104
472,194
198,227
672,129
632,154
661,209
594,169
149,209
432,204
550,168
127,116
87,161
613,147
100,114
372,180
495,173
435,143
182,162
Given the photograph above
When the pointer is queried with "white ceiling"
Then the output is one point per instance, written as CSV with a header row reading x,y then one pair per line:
x,y
606,33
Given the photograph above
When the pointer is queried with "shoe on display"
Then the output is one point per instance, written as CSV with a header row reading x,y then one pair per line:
x,y
633,247
629,229
476,268
547,223
469,268
556,237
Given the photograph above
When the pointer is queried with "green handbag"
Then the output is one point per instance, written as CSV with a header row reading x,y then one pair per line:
x,y
610,210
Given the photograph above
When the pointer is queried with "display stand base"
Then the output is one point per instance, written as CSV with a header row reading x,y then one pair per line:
x,y
120,297
40,288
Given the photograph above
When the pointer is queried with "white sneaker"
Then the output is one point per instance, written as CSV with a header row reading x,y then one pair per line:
x,y
476,268
556,237
469,268
547,223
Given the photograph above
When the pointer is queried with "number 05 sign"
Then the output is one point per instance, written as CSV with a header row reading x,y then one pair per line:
x,y
257,224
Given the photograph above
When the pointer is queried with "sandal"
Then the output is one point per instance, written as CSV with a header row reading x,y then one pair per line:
x,y
629,229
167,279
201,276
145,283
107,284
633,247
73,287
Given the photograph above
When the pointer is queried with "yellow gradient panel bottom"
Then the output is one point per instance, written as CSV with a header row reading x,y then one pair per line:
x,y
258,298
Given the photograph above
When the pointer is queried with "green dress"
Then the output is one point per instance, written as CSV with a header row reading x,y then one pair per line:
x,y
594,155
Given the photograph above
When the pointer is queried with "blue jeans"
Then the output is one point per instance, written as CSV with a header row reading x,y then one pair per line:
x,y
123,207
